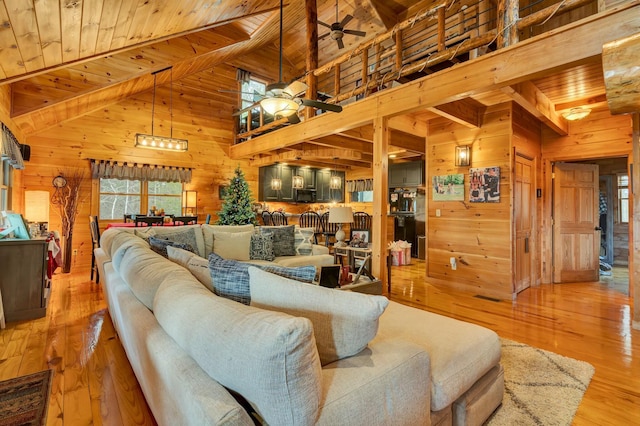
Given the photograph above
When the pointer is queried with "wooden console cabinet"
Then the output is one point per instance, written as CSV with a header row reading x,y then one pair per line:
x,y
23,278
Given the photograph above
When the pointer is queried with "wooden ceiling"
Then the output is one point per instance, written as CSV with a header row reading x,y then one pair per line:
x,y
67,58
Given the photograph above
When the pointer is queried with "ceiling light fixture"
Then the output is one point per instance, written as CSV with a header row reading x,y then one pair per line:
x,y
161,142
577,113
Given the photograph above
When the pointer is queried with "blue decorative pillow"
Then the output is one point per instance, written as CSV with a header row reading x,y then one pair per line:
x,y
160,246
231,277
283,239
261,247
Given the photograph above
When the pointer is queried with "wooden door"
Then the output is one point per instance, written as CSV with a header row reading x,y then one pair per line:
x,y
576,241
524,209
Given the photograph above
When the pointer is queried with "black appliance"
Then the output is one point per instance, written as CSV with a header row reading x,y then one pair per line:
x,y
305,195
402,200
405,229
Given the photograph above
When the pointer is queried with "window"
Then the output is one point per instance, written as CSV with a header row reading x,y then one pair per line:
x,y
122,196
362,196
5,184
623,198
252,92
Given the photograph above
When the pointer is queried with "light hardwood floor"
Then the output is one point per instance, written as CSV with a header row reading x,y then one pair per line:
x,y
94,383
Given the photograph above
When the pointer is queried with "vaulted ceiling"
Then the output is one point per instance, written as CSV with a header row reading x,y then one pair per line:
x,y
67,58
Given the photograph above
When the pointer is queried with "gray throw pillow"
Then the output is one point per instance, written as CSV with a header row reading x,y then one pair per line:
x,y
261,247
160,246
231,277
284,242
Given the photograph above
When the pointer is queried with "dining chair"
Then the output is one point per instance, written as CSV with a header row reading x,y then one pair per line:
x,y
149,221
95,240
311,219
278,218
266,218
184,220
328,229
361,222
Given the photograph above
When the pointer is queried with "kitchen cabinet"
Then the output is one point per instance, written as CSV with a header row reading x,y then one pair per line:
x,y
406,174
24,284
324,193
266,174
308,175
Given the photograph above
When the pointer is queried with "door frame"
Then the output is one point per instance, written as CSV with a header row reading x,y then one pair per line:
x,y
534,278
608,183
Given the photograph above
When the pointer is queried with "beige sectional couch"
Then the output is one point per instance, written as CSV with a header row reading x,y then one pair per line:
x,y
299,354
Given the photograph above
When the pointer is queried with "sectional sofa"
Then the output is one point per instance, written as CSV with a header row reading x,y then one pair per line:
x,y
297,354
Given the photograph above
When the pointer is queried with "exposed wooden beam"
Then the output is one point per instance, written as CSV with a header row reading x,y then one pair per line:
x,y
312,53
467,112
512,65
381,8
409,124
529,97
593,102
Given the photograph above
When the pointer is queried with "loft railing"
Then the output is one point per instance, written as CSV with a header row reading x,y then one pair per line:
x,y
434,39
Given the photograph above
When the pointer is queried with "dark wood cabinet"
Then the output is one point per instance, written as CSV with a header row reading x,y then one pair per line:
x,y
23,280
266,174
324,193
308,175
406,174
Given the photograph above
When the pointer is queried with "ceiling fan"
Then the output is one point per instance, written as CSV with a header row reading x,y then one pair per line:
x,y
282,99
338,31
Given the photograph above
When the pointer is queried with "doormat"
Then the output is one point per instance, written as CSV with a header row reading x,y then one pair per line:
x,y
541,387
25,400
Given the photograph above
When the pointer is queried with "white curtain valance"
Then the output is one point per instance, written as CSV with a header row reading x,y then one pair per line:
x,y
144,172
359,185
11,148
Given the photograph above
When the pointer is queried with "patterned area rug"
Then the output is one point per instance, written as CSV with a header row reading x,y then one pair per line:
x,y
541,387
25,400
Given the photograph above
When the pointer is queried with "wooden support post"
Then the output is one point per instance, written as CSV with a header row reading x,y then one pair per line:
x,y
336,80
508,16
312,54
399,47
441,29
634,267
365,70
380,178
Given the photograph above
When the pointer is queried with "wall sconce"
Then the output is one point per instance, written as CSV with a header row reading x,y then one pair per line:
x,y
297,182
189,202
36,208
577,113
463,156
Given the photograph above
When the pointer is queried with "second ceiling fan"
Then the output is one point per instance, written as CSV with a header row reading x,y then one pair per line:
x,y
338,31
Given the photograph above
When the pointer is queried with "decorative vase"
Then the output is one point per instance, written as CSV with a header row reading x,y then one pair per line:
x,y
66,254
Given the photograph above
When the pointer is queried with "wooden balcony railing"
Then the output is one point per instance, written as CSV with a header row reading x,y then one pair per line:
x,y
434,39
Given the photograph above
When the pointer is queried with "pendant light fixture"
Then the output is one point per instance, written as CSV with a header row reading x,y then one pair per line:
x,y
297,182
335,182
276,182
160,142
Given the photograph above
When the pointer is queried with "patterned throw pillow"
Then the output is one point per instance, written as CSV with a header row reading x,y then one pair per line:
x,y
231,277
183,237
160,246
262,247
303,241
283,239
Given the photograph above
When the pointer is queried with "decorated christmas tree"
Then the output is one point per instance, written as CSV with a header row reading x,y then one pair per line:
x,y
236,207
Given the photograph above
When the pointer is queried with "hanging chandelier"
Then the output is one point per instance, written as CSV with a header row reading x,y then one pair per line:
x,y
161,142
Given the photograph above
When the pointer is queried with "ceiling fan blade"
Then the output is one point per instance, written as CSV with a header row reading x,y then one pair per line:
x,y
340,43
324,25
323,36
321,105
345,20
293,119
355,33
295,88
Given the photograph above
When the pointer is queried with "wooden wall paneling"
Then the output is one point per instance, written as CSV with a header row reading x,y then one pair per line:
x,y
634,237
478,235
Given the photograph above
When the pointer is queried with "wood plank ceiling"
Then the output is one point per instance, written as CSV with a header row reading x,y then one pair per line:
x,y
67,58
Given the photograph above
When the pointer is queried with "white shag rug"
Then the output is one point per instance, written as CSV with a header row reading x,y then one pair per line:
x,y
541,387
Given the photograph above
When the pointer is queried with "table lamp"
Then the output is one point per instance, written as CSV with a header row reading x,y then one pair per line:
x,y
340,215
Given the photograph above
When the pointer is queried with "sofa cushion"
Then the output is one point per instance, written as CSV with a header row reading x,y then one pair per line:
x,y
160,245
179,256
268,357
199,267
283,239
209,231
231,278
181,235
343,322
144,270
461,352
261,247
233,245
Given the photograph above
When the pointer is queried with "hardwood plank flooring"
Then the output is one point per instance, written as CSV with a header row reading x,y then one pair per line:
x,y
94,383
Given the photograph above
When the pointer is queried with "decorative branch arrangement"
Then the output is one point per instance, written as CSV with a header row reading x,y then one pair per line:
x,y
67,199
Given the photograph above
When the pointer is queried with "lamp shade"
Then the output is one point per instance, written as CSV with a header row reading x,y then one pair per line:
x,y
340,215
189,201
279,106
36,206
